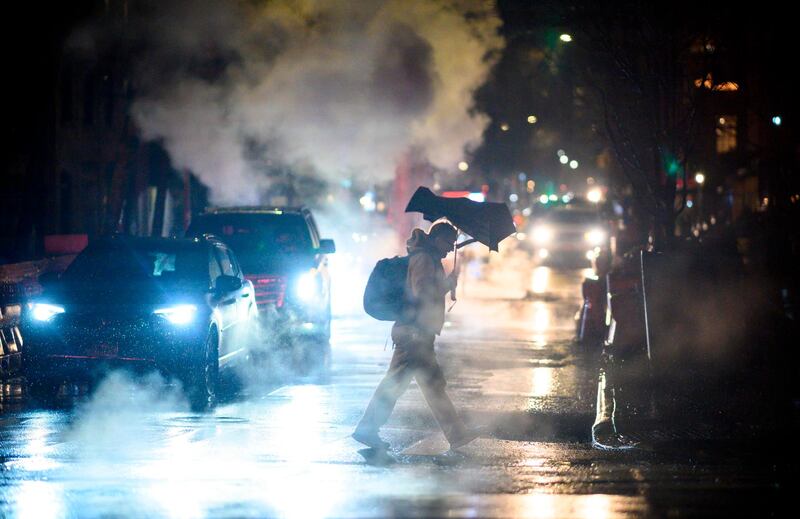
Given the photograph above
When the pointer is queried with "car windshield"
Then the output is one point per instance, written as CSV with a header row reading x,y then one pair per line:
x,y
258,234
573,217
122,262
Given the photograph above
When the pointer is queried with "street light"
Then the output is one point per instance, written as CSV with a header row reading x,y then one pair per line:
x,y
573,164
463,166
699,178
566,38
563,159
777,120
532,119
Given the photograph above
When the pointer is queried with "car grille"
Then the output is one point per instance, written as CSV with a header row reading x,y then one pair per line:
x,y
86,335
269,289
577,236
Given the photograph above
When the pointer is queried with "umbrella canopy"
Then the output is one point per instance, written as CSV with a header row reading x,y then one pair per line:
x,y
487,222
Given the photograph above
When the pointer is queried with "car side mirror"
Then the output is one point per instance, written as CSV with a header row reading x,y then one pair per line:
x,y
226,283
327,247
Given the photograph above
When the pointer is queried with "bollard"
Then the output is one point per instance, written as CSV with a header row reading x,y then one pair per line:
x,y
624,383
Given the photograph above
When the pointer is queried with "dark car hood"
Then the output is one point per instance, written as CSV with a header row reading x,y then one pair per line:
x,y
112,297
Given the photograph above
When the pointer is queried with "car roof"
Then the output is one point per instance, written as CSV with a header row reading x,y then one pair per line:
x,y
256,209
145,241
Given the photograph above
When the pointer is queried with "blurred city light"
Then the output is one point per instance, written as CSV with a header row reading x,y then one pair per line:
x,y
541,234
561,153
573,164
541,276
563,159
463,166
594,195
699,178
513,197
530,186
777,120
477,197
543,199
553,198
595,236
565,38
532,119
368,201
504,127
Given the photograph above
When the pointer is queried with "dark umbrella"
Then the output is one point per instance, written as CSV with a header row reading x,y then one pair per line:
x,y
487,222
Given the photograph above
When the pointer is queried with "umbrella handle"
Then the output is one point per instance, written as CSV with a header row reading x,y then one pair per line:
x,y
455,266
465,243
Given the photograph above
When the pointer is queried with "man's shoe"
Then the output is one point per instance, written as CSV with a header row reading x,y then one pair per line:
x,y
464,438
370,439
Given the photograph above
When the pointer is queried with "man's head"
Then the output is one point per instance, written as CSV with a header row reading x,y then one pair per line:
x,y
443,236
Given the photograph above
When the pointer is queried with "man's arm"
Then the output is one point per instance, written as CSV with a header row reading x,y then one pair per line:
x,y
423,280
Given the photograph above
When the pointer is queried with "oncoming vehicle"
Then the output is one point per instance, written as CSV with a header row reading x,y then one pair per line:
x,y
568,234
285,258
178,306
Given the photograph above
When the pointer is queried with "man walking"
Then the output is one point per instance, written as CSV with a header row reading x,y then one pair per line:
x,y
413,336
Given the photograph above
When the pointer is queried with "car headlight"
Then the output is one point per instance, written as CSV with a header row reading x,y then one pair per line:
x,y
45,312
542,234
306,287
595,237
178,314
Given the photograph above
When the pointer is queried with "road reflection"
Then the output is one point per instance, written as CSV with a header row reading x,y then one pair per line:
x,y
38,499
592,506
542,381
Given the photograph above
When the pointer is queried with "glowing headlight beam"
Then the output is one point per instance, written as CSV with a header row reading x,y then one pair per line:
x,y
45,312
178,314
542,235
307,286
595,237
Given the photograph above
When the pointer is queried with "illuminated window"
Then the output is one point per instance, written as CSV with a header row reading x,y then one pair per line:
x,y
728,86
726,133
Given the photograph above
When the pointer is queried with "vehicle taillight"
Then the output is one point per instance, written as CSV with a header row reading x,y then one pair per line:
x,y
268,289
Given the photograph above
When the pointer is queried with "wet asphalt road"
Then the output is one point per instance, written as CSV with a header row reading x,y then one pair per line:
x,y
282,448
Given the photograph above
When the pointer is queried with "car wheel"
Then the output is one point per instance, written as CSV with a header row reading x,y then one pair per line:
x,y
204,375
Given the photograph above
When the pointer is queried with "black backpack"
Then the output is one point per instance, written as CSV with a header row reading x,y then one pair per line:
x,y
385,294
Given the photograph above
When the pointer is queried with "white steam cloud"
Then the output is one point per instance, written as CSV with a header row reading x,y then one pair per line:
x,y
335,89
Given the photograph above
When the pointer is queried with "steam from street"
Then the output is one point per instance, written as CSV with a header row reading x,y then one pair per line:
x,y
335,90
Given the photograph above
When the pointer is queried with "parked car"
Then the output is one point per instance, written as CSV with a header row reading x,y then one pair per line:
x,y
179,306
283,255
568,235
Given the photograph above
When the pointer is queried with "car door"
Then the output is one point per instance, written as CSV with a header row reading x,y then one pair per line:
x,y
320,260
225,302
246,299
234,305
